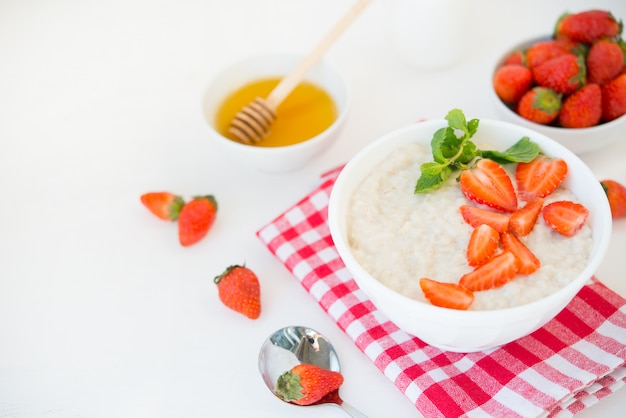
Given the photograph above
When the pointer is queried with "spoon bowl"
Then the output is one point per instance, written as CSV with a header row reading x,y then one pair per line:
x,y
295,345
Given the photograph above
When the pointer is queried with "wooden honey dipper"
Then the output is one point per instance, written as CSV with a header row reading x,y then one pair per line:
x,y
252,123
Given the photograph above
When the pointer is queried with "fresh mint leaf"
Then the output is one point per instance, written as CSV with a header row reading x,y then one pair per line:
x,y
453,150
435,144
522,151
473,127
430,181
456,120
468,154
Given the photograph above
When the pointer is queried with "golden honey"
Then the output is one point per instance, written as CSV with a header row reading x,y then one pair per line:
x,y
305,113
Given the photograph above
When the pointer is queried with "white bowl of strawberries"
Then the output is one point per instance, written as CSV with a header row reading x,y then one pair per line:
x,y
570,86
469,234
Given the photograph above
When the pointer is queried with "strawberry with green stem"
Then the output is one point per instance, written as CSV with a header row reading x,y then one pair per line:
x,y
306,384
616,193
564,74
582,108
239,289
587,26
164,205
540,105
614,98
195,219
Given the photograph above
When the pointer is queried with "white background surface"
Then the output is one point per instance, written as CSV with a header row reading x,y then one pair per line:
x,y
102,312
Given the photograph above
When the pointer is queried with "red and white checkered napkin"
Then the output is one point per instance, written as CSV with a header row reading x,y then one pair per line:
x,y
569,364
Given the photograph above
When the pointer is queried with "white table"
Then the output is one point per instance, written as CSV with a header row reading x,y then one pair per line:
x,y
102,312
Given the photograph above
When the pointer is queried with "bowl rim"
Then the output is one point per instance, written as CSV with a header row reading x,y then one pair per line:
x,y
604,223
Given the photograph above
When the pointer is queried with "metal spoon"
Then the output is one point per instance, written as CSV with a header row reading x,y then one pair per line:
x,y
294,345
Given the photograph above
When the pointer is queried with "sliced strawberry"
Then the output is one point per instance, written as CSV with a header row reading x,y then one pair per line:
x,y
475,216
483,244
565,217
489,184
446,295
540,177
527,261
523,220
494,273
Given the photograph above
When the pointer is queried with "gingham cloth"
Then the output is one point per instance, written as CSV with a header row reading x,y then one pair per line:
x,y
572,362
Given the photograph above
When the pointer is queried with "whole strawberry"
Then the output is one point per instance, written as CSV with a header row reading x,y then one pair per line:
x,y
239,289
543,51
587,26
306,384
614,98
195,219
583,108
540,105
616,193
164,205
604,61
511,82
565,74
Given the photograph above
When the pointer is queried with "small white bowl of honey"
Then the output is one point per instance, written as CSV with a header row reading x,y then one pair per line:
x,y
307,121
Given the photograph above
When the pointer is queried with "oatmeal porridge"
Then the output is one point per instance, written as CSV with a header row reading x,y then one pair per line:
x,y
400,237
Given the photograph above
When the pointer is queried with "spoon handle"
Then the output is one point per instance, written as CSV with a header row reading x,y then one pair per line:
x,y
352,411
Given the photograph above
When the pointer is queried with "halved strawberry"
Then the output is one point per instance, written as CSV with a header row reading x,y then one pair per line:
x,y
494,273
540,177
446,295
527,261
483,244
523,220
489,184
475,216
565,217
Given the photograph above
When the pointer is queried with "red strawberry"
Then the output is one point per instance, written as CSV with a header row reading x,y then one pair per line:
x,y
582,108
604,61
587,26
540,105
614,98
446,295
516,57
306,384
196,218
494,273
540,177
528,263
542,51
239,289
523,220
483,244
564,74
565,217
511,82
489,184
165,205
616,193
476,216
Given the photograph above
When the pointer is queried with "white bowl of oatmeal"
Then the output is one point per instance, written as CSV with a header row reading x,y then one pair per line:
x,y
389,237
